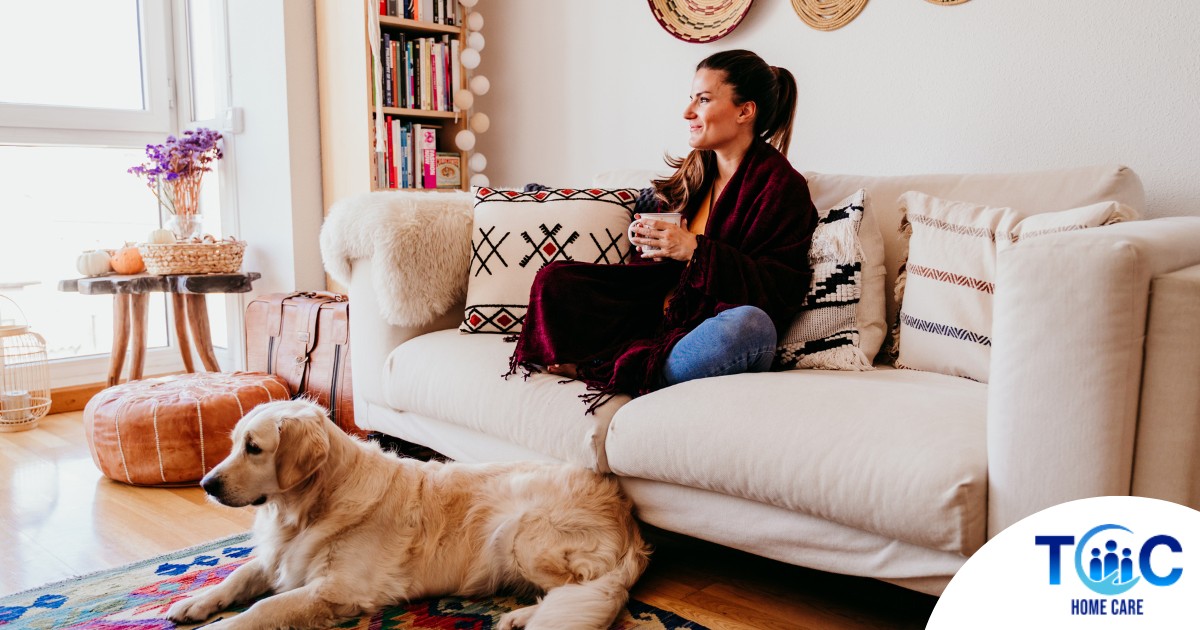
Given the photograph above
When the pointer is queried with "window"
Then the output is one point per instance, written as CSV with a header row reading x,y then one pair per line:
x,y
95,84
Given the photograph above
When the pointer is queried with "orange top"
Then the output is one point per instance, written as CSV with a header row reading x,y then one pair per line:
x,y
696,226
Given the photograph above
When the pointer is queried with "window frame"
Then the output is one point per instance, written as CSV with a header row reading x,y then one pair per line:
x,y
158,89
168,107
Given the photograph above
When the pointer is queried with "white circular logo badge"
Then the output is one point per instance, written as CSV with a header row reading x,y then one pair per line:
x,y
1106,562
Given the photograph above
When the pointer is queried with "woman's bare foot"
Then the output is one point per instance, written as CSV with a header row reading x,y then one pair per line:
x,y
569,370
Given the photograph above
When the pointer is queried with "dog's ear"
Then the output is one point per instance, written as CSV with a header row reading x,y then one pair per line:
x,y
303,448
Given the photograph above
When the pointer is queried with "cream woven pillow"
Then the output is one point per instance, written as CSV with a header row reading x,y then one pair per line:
x,y
826,334
945,288
517,233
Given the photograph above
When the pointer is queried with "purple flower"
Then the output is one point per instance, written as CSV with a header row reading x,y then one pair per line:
x,y
173,170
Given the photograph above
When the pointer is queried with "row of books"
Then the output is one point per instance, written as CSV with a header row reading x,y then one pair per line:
x,y
411,159
436,11
420,73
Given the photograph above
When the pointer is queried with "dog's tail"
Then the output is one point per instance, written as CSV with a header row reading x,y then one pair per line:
x,y
593,604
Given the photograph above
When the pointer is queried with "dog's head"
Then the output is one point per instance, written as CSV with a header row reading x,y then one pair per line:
x,y
275,447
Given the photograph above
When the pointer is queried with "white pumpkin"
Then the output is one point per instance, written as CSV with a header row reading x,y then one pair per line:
x,y
93,263
161,237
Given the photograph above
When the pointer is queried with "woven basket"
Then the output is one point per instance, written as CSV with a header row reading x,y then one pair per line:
x,y
223,257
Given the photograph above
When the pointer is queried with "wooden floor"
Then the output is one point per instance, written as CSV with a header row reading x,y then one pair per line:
x,y
60,517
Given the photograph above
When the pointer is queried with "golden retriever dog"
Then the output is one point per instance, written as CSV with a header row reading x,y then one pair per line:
x,y
346,529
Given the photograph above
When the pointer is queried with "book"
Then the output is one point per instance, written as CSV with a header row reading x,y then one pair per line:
x,y
427,150
385,53
394,157
449,170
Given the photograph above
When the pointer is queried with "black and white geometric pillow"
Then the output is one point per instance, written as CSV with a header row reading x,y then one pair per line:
x,y
517,233
825,334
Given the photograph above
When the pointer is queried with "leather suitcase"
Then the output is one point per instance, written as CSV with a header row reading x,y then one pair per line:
x,y
305,339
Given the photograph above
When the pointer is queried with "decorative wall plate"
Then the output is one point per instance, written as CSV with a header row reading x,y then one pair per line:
x,y
828,15
699,21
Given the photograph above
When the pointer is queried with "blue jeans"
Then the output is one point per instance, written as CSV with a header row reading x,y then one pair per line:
x,y
738,340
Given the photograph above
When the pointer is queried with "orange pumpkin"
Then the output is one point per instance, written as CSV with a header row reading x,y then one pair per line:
x,y
128,260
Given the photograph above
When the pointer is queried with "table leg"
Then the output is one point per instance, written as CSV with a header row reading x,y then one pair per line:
x,y
121,308
139,307
197,310
179,309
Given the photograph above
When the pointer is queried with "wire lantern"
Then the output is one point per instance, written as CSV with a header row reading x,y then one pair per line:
x,y
24,371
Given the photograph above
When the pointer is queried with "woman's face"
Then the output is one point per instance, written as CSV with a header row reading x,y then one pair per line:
x,y
714,121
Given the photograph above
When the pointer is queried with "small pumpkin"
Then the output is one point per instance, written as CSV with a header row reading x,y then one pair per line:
x,y
161,237
93,263
128,260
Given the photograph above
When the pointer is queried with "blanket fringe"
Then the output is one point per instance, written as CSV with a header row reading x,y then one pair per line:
x,y
595,400
527,369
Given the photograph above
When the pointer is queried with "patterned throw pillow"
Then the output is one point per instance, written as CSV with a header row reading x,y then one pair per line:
x,y
517,233
945,288
825,335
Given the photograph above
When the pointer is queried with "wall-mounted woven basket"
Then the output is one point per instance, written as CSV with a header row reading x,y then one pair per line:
x,y
223,257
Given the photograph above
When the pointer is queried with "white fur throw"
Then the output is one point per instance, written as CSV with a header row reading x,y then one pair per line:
x,y
421,242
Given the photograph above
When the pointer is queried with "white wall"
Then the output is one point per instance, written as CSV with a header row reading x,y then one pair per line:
x,y
908,87
273,65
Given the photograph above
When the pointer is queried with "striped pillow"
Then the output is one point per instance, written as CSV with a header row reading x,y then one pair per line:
x,y
825,335
945,288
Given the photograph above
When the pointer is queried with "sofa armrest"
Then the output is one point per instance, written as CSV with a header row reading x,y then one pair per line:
x,y
405,257
1166,464
1067,347
372,337
420,240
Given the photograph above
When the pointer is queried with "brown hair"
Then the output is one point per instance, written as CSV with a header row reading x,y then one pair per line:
x,y
773,91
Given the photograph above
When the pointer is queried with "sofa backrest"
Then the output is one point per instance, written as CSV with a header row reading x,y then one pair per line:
x,y
1031,192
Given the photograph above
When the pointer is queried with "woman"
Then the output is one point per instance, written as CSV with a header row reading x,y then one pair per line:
x,y
710,299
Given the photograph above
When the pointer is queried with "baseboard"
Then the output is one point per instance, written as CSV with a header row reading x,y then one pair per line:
x,y
73,398
76,397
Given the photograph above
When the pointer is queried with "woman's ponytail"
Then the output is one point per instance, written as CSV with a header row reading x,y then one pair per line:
x,y
779,131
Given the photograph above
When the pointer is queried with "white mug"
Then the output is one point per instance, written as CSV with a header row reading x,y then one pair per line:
x,y
674,218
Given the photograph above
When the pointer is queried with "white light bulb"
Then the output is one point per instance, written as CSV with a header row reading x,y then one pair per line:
x,y
480,122
464,99
474,21
470,58
465,140
480,180
467,3
478,162
480,84
475,41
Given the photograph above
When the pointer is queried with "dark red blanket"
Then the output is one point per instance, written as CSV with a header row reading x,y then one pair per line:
x,y
609,319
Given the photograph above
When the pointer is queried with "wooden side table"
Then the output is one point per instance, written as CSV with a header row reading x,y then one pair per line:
x,y
131,297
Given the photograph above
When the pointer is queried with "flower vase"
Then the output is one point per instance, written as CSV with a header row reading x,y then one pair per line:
x,y
186,226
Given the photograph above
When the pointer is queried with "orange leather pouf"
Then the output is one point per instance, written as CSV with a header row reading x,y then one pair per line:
x,y
172,430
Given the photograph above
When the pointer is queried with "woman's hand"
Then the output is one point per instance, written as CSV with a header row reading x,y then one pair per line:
x,y
672,241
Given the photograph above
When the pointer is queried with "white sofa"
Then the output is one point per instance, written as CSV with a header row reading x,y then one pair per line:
x,y
894,474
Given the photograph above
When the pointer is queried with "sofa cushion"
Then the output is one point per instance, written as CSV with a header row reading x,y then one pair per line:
x,y
516,233
456,377
947,283
893,452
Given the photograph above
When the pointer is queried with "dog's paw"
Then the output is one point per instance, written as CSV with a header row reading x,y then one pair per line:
x,y
517,618
193,609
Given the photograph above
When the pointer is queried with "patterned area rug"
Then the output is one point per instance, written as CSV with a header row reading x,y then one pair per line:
x,y
136,597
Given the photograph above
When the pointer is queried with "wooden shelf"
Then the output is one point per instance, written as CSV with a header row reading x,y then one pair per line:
x,y
418,26
420,113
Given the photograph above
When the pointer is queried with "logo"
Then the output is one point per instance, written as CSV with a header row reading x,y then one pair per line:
x,y
1103,562
1110,560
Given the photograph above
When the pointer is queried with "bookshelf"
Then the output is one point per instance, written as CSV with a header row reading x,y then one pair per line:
x,y
346,88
